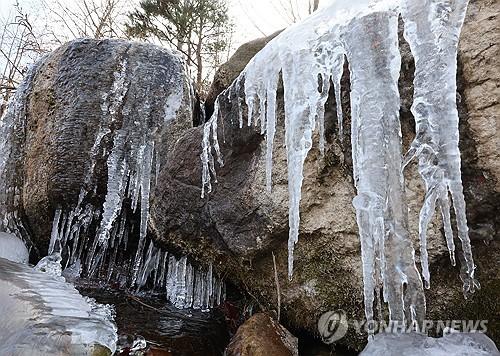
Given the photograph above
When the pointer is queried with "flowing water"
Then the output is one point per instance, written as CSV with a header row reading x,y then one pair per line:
x,y
166,330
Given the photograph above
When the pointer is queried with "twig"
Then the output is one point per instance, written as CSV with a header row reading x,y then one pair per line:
x,y
276,280
142,303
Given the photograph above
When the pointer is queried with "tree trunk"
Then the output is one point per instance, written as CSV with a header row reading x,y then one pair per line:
x,y
199,60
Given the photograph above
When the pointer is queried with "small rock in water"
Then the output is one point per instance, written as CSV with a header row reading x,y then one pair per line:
x,y
261,335
413,344
12,248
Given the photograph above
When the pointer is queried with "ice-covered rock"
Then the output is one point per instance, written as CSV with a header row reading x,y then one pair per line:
x,y
12,248
41,314
104,113
82,144
412,344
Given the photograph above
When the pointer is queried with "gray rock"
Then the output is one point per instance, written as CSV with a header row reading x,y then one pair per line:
x,y
81,90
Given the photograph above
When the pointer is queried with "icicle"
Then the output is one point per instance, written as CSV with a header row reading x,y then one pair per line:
x,y
156,265
117,168
432,29
163,269
55,231
145,183
444,206
198,290
143,271
207,161
209,285
299,125
189,286
208,165
219,292
337,71
262,112
376,140
180,295
215,140
320,110
272,87
171,285
204,291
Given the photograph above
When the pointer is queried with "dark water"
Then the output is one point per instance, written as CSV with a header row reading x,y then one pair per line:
x,y
167,330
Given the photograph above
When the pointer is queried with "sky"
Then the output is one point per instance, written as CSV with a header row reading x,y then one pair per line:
x,y
253,19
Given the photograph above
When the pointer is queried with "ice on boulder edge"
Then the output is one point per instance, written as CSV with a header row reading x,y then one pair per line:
x,y
366,32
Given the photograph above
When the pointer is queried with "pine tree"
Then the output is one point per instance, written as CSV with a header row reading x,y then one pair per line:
x,y
200,29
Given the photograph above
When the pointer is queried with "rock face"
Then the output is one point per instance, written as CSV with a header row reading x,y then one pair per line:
x,y
238,225
479,52
261,335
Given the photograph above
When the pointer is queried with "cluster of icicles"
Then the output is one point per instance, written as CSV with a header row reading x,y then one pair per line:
x,y
309,56
185,285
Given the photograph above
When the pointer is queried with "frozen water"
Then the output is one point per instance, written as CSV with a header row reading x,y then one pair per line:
x,y
432,28
13,249
311,54
43,315
456,344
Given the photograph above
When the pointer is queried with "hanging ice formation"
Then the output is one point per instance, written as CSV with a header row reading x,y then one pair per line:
x,y
310,54
133,167
185,285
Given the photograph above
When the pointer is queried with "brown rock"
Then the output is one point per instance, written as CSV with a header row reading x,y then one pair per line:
x,y
261,335
479,53
228,71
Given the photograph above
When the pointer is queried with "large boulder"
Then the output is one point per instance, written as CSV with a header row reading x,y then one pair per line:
x,y
80,128
238,226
